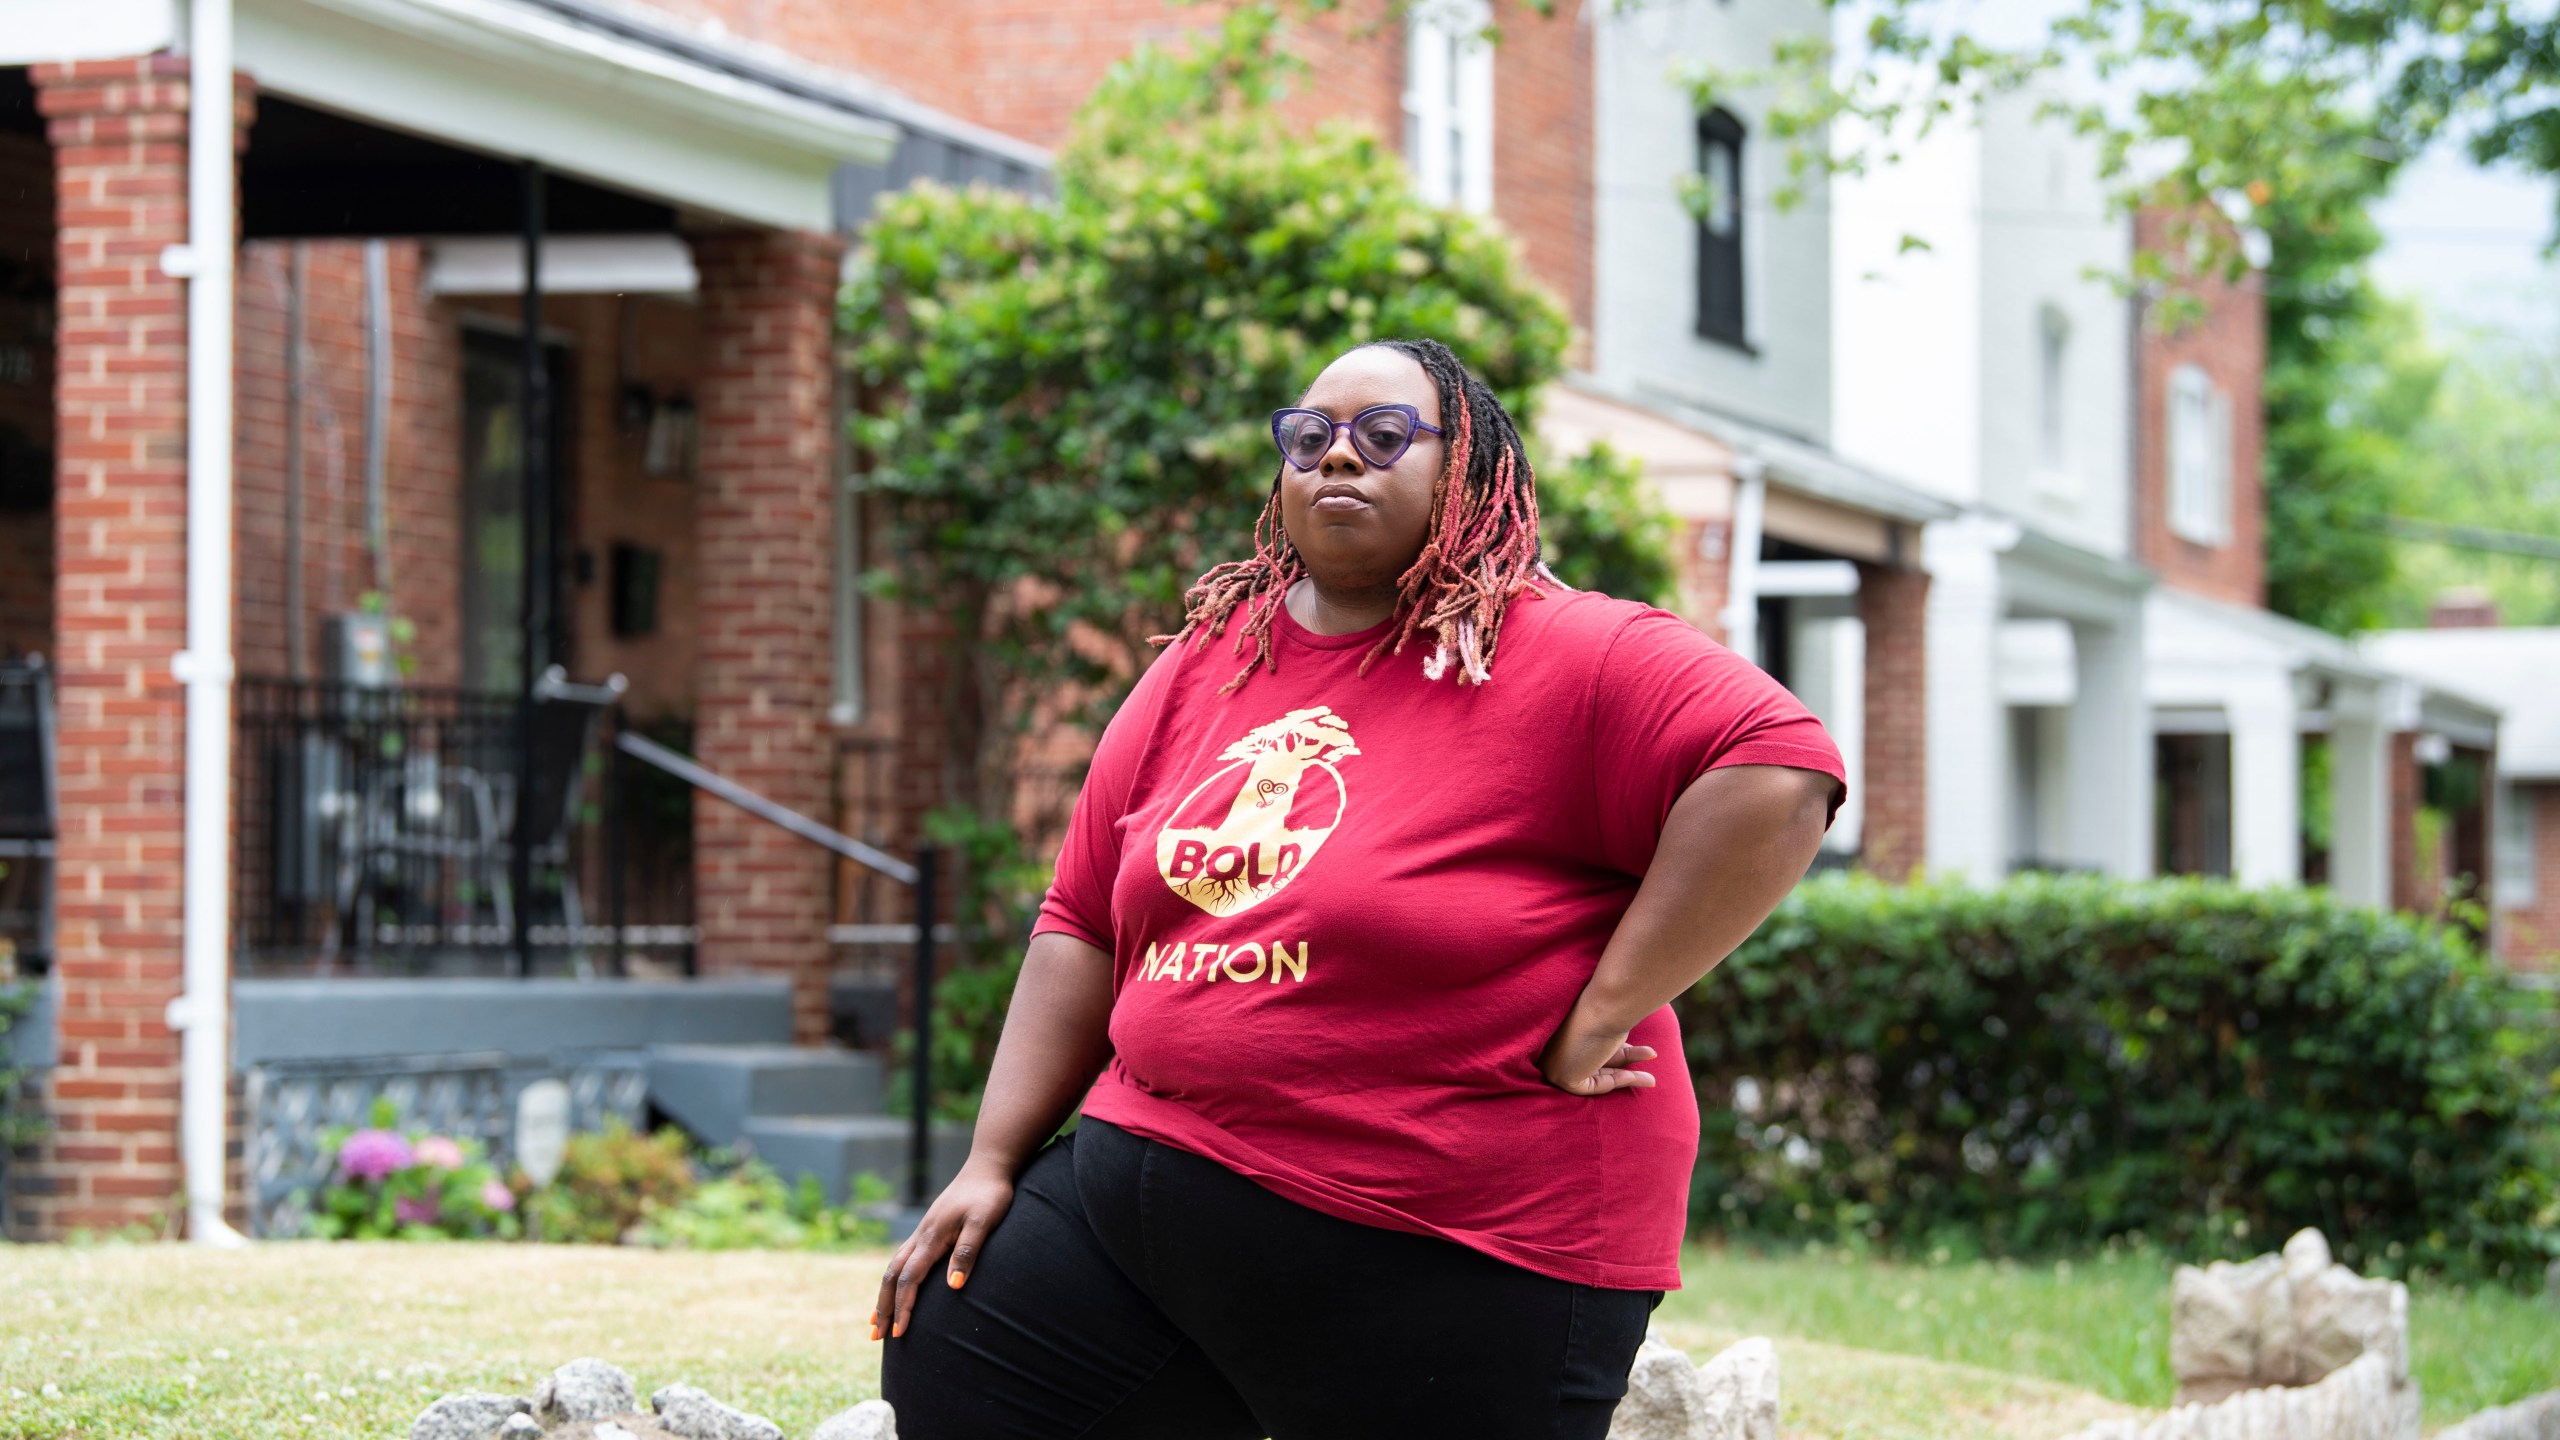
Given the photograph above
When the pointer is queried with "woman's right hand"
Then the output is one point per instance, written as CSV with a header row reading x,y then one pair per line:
x,y
956,1223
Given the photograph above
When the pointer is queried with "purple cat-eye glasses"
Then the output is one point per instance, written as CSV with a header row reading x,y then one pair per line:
x,y
1381,433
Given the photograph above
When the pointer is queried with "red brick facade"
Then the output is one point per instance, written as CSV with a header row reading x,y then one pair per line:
x,y
2228,342
1893,604
763,506
118,133
1542,150
2529,933
422,456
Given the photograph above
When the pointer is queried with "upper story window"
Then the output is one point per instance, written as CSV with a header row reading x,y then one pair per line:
x,y
1720,281
2053,378
1448,103
2199,457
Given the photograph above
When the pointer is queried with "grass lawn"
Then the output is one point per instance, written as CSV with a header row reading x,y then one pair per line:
x,y
329,1341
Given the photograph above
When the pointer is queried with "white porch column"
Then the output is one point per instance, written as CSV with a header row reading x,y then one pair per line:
x,y
1968,765
2266,781
2359,797
2109,810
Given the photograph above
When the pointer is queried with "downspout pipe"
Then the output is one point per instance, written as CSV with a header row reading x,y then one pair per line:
x,y
202,1014
1742,558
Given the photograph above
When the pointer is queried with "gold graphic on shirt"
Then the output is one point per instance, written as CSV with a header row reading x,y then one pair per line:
x,y
1254,852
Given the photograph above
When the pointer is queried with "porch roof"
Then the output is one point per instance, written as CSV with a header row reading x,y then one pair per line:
x,y
2515,670
602,95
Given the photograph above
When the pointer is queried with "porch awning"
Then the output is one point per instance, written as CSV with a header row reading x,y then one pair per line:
x,y
532,81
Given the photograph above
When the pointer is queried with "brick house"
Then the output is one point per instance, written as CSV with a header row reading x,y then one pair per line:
x,y
691,194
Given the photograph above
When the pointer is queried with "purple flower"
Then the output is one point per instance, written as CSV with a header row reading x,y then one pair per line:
x,y
414,1212
373,1155
497,1197
440,1152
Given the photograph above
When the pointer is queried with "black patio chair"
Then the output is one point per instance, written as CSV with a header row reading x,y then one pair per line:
x,y
566,718
30,813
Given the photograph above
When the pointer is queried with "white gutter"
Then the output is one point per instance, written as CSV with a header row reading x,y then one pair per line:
x,y
202,1013
1742,558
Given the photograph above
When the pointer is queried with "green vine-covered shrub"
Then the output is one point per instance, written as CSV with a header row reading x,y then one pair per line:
x,y
2064,1060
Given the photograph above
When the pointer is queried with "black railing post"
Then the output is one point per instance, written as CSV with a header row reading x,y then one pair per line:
x,y
920,1134
617,818
533,462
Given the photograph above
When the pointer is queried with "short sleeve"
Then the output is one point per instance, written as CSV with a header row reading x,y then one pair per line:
x,y
1671,704
1079,898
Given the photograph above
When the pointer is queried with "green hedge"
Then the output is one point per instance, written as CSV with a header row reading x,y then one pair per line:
x,y
2066,1060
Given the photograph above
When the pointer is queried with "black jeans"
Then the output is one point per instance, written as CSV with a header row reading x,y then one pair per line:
x,y
1139,1292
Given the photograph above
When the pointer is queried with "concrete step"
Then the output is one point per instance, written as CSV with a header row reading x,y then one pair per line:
x,y
716,1091
837,1148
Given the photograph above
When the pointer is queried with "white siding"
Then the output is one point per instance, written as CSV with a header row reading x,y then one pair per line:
x,y
1645,259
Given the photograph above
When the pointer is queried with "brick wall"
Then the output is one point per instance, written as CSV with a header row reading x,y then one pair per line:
x,y
1542,150
1702,564
421,471
763,506
26,395
2228,341
2529,935
1893,604
118,130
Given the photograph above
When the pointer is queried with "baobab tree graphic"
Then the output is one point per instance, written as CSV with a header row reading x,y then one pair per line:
x,y
1253,853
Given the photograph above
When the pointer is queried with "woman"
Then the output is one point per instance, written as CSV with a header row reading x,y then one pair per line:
x,y
1369,943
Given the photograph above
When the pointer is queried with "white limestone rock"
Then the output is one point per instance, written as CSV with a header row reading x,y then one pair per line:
x,y
1741,1385
519,1426
2288,1319
583,1390
870,1420
1665,1398
2536,1417
688,1412
1732,1397
2359,1402
467,1417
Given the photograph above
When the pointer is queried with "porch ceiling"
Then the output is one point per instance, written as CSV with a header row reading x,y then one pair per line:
x,y
309,172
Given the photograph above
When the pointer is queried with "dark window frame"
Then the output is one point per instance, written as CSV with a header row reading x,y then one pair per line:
x,y
1722,284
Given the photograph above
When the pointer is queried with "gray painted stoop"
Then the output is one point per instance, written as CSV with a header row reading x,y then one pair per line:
x,y
801,1111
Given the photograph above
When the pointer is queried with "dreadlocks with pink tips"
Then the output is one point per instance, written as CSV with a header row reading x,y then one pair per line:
x,y
1481,550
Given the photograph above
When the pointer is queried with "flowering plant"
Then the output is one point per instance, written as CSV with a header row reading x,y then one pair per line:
x,y
393,1185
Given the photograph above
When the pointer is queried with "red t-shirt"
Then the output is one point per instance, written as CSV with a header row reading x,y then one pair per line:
x,y
1345,913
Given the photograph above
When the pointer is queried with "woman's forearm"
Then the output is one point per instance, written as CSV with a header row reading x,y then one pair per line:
x,y
1056,1036
1737,841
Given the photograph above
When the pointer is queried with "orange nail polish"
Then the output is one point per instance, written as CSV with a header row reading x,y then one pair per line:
x,y
959,1278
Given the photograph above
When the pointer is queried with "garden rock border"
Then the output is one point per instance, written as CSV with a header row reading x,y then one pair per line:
x,y
588,1399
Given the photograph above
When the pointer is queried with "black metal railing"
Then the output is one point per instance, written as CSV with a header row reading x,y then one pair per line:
x,y
29,819
377,832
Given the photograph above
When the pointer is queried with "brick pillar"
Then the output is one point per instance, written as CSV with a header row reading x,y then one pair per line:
x,y
2411,889
1703,573
119,135
763,513
1893,604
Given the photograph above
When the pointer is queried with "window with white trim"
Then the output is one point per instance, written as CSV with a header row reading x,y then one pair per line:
x,y
2053,392
2514,863
2199,425
1721,281
1448,103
